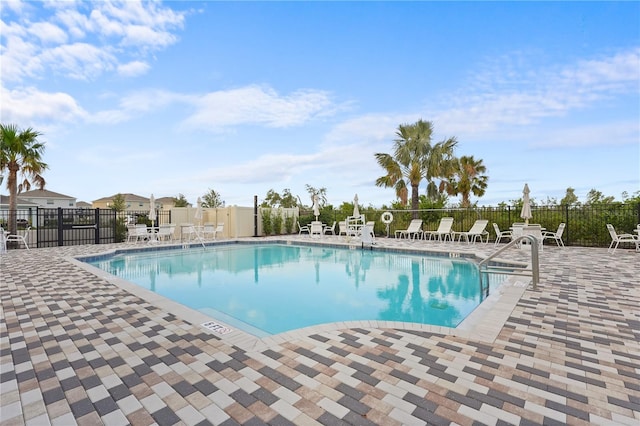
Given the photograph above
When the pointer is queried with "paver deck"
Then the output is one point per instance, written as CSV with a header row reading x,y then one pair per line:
x,y
77,348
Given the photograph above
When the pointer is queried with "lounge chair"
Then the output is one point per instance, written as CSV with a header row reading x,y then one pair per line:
x,y
476,231
219,230
165,232
330,229
413,230
367,235
621,238
303,229
210,230
501,234
556,236
342,227
20,238
443,231
3,241
142,232
190,232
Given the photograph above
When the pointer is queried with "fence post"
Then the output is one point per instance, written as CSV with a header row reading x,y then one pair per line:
x,y
567,231
96,219
60,230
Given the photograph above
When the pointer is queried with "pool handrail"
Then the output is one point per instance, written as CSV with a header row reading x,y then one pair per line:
x,y
484,267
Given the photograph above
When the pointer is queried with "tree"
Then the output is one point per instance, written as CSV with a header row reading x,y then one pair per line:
x,y
212,200
570,198
320,192
273,199
180,201
414,159
118,203
631,199
468,178
597,197
21,155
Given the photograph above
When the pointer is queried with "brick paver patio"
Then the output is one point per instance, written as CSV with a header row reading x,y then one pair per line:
x,y
77,348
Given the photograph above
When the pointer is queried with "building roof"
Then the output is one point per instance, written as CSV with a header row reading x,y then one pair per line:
x,y
127,197
43,193
4,201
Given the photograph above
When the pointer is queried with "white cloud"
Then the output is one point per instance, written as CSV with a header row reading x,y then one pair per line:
x,y
30,104
258,105
509,94
133,69
80,61
589,135
48,33
16,6
82,40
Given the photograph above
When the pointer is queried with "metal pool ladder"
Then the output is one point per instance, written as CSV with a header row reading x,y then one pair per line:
x,y
534,272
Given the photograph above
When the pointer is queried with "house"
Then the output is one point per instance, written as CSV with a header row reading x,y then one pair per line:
x,y
132,202
25,211
48,199
135,203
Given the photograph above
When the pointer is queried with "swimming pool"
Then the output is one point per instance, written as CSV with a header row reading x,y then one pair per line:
x,y
266,289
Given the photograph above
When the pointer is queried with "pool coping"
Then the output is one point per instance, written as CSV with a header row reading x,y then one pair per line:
x,y
483,323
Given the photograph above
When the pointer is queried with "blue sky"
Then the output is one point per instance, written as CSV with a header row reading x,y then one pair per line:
x,y
241,97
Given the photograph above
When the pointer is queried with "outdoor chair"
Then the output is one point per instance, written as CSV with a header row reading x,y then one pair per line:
x,y
165,232
621,238
209,231
219,230
303,229
556,236
443,231
476,231
330,229
501,234
413,230
19,238
342,227
141,232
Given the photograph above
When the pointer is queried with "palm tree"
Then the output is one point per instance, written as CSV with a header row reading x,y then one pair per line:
x,y
415,158
21,155
468,178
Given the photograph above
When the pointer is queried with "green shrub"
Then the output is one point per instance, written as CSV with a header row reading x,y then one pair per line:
x,y
267,228
277,222
288,224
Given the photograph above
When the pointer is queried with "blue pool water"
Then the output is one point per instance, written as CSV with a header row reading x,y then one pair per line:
x,y
272,288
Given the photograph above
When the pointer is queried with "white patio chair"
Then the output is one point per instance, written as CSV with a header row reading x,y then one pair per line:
x,y
330,229
367,235
342,227
413,230
165,232
3,241
556,236
621,238
192,233
141,232
219,230
20,238
443,231
302,229
132,234
476,231
209,231
501,234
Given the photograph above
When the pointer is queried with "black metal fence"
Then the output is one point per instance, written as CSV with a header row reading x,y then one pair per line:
x,y
585,225
75,226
